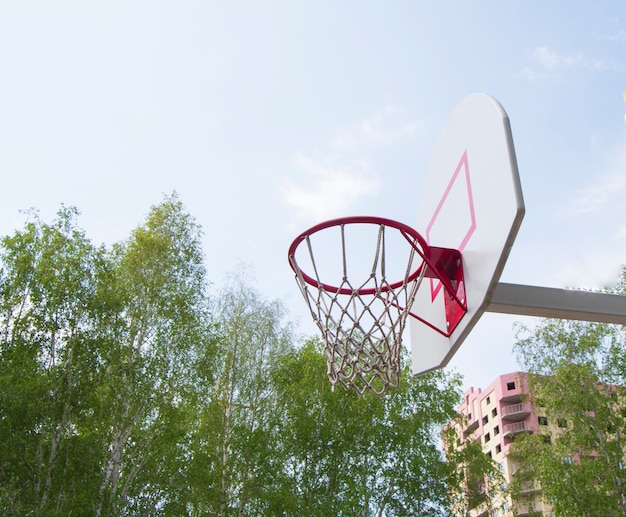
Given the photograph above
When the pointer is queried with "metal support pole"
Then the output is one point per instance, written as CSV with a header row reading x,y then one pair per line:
x,y
548,302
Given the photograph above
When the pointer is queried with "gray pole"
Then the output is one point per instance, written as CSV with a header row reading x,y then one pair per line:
x,y
547,302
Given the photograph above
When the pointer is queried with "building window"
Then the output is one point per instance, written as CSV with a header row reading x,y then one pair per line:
x,y
510,385
489,453
542,420
496,430
488,400
494,412
485,419
498,449
487,437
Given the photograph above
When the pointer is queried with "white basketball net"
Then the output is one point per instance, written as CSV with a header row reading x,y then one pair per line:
x,y
363,332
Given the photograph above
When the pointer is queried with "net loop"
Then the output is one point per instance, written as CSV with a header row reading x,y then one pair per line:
x,y
362,319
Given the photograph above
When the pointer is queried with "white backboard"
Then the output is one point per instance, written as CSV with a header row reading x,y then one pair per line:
x,y
471,200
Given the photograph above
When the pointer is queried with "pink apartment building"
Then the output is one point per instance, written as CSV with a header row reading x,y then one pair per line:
x,y
495,415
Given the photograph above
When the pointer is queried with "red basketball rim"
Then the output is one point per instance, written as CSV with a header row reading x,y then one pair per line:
x,y
411,235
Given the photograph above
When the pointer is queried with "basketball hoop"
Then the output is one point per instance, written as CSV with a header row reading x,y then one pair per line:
x,y
360,312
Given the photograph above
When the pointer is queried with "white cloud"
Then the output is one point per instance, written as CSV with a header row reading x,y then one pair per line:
x,y
595,197
533,75
386,126
549,63
596,258
590,272
607,191
619,36
621,233
329,190
549,60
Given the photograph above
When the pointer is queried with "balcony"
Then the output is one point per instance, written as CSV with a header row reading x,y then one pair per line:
x,y
529,487
516,428
515,412
472,425
515,396
512,391
531,509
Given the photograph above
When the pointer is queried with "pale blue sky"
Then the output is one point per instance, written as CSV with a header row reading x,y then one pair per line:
x,y
268,117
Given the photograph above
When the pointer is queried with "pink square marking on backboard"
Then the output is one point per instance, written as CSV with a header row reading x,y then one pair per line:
x,y
435,286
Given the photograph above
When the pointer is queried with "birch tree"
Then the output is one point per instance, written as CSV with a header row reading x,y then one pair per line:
x,y
344,454
578,457
48,350
98,360
158,327
233,440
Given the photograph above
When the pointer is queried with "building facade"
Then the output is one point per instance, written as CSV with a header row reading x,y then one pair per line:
x,y
494,416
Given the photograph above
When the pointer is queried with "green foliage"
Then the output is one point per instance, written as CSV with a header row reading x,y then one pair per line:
x,y
474,479
353,455
47,351
232,447
579,387
126,390
95,362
